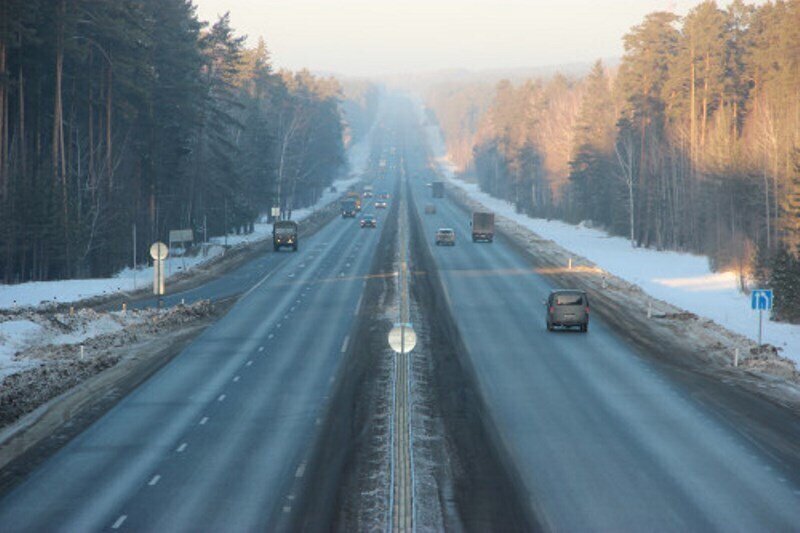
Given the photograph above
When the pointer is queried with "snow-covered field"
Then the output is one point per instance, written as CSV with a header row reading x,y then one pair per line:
x,y
681,279
68,291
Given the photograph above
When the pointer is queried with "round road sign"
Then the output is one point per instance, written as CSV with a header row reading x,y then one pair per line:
x,y
159,251
402,338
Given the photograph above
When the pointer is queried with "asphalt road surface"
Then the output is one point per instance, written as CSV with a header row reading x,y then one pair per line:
x,y
215,440
602,439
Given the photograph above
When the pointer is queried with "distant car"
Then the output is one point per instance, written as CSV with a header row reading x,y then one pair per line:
x,y
430,209
381,204
384,195
369,221
445,237
568,308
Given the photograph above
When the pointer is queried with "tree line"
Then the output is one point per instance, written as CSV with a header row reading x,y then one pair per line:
x,y
692,143
123,113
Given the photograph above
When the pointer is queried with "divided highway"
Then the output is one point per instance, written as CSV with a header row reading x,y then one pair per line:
x,y
601,438
218,437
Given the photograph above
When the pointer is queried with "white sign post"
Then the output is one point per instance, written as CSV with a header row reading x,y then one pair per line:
x,y
159,252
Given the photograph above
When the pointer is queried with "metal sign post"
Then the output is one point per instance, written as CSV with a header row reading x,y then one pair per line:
x,y
761,300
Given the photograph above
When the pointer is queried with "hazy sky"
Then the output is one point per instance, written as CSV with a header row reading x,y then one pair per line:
x,y
366,37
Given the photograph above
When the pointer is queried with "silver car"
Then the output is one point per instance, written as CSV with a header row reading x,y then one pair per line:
x,y
568,308
445,237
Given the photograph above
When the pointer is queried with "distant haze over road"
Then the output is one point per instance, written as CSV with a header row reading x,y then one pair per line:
x,y
374,37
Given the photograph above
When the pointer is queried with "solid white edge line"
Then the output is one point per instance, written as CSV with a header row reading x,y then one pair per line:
x,y
344,344
119,521
300,470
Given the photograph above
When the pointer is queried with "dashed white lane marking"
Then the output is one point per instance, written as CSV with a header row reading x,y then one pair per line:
x,y
344,344
119,521
286,316
154,480
358,305
181,448
347,265
318,421
203,421
287,508
291,275
300,470
249,363
270,336
278,325
260,348
221,398
236,378
292,309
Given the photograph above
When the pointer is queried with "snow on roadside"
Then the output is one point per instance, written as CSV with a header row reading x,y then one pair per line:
x,y
680,279
36,293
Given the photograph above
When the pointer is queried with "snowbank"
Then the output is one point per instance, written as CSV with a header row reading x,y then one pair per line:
x,y
68,291
681,279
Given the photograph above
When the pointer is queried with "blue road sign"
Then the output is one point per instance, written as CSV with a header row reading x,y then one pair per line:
x,y
761,299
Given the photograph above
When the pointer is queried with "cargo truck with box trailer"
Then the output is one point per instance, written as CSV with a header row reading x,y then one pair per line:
x,y
482,226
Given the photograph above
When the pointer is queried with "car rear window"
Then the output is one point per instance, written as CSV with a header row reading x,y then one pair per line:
x,y
569,299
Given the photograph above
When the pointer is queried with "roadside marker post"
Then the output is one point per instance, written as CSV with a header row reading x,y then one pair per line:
x,y
761,300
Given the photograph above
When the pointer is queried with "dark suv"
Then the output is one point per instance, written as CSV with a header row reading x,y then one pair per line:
x,y
568,308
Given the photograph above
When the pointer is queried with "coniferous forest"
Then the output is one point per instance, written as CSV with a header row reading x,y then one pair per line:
x,y
691,143
123,113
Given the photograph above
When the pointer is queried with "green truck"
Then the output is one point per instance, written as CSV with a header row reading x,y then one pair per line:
x,y
284,233
349,208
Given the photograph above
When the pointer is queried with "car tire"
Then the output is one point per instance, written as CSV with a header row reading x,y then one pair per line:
x,y
549,326
295,247
275,247
584,328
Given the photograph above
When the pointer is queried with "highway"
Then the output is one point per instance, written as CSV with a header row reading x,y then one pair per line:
x,y
601,437
218,437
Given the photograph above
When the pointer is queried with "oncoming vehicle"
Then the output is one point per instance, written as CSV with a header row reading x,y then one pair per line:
x,y
349,208
381,204
445,237
284,233
568,308
369,221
